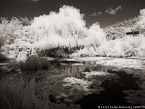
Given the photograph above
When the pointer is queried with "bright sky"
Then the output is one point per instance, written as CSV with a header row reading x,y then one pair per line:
x,y
106,12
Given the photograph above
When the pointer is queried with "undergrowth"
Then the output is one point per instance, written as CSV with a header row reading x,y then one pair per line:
x,y
21,95
3,58
33,63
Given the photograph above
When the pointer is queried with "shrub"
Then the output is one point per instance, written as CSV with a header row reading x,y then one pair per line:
x,y
95,36
3,58
9,29
65,29
125,47
140,24
22,96
118,30
2,41
33,63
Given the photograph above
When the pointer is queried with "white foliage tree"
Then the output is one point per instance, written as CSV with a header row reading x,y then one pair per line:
x,y
64,28
95,36
140,24
9,30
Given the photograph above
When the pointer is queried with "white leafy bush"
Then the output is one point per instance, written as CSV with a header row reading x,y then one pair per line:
x,y
125,47
95,36
63,29
16,38
140,24
8,30
67,29
111,48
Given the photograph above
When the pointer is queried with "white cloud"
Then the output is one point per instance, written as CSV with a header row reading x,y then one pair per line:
x,y
112,11
94,14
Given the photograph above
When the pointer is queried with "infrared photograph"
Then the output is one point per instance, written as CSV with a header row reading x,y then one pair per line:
x,y
72,54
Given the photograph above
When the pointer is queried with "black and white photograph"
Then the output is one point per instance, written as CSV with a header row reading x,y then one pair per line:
x,y
72,54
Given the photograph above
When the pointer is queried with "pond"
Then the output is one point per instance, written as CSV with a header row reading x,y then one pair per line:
x,y
92,84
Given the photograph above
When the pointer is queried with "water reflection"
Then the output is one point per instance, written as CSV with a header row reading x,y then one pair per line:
x,y
137,96
93,85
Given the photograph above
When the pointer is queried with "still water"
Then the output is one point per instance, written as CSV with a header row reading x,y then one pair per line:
x,y
105,86
87,84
